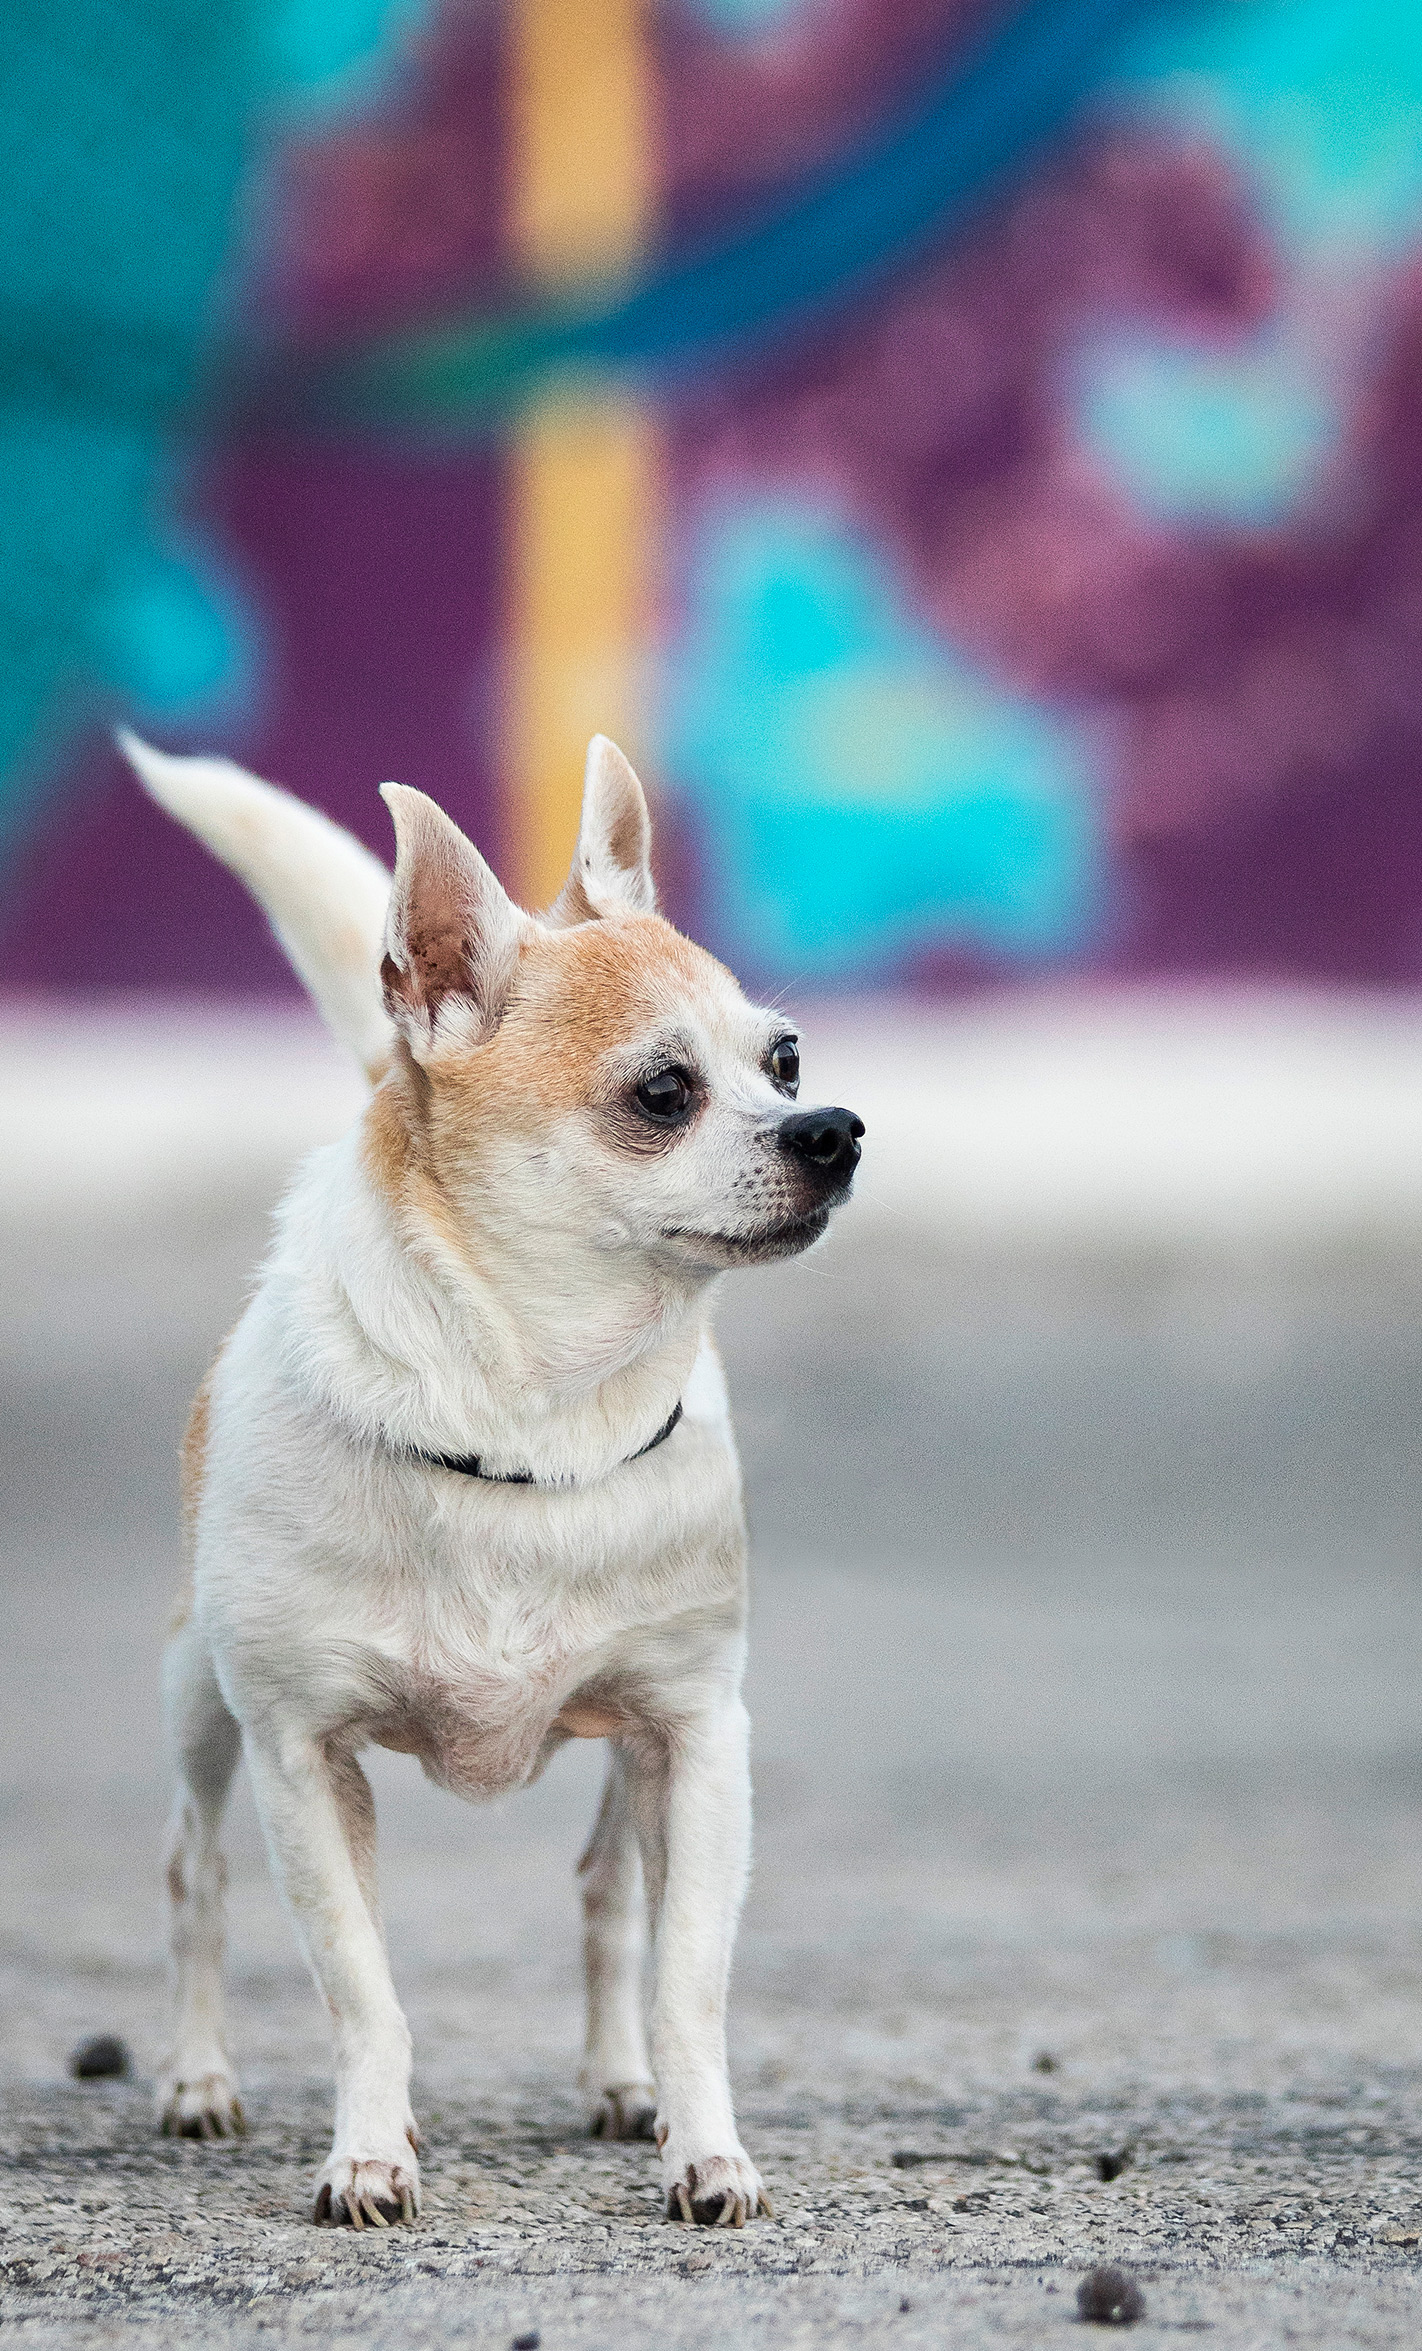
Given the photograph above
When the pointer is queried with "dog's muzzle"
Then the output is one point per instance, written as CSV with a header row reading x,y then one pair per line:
x,y
825,1143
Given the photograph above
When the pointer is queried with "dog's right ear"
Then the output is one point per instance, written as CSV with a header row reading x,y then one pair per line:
x,y
612,864
452,934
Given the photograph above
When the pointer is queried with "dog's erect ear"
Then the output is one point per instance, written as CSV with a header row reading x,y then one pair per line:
x,y
612,865
451,936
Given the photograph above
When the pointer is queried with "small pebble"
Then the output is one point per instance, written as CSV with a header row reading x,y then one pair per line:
x,y
1044,2062
528,2342
100,2058
1111,2165
1109,2297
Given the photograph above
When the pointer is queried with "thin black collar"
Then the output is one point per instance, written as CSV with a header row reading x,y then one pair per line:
x,y
470,1466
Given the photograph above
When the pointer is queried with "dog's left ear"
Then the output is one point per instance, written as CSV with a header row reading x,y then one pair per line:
x,y
452,937
612,865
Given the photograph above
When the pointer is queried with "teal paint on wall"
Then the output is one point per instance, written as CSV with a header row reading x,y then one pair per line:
x,y
328,55
1237,436
861,795
1318,103
124,126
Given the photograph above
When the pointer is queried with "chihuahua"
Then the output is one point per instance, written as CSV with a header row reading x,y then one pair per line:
x,y
462,1481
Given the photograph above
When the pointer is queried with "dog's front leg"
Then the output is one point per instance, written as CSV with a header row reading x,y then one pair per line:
x,y
692,1806
372,2174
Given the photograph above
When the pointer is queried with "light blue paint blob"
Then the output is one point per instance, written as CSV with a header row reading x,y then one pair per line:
x,y
180,637
1318,101
1237,436
752,19
329,55
860,795
1318,105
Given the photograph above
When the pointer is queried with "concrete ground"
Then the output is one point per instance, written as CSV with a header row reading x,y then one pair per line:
x,y
1087,1682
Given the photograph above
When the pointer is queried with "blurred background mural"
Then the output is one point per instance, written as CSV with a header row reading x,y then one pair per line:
x,y
971,452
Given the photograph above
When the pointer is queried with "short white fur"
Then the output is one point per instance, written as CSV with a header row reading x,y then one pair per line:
x,y
548,1318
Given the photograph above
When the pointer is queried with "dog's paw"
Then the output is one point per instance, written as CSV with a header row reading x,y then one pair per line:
x,y
628,2111
365,2191
201,2106
716,2192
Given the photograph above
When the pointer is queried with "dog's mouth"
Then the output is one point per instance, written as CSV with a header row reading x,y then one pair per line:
x,y
760,1247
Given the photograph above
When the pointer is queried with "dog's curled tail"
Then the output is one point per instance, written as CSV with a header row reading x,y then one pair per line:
x,y
324,895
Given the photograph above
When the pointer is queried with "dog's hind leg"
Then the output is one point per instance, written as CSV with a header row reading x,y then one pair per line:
x,y
616,2074
197,2096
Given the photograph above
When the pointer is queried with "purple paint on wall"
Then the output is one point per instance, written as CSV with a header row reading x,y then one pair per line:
x,y
1257,694
1323,886
376,574
398,212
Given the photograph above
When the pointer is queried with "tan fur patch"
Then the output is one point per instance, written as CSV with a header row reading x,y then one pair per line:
x,y
192,1470
194,1453
589,1722
387,1144
579,995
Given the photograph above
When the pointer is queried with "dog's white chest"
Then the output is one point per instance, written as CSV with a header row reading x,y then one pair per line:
x,y
483,1714
475,1692
474,1625
470,1735
490,1653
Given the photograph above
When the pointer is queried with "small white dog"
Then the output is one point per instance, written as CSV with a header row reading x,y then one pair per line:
x,y
462,1480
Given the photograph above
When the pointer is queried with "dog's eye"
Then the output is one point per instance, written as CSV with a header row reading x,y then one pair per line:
x,y
666,1094
785,1064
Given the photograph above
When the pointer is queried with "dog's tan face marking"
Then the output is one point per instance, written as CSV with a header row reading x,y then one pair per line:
x,y
587,1080
580,1001
584,1002
547,1114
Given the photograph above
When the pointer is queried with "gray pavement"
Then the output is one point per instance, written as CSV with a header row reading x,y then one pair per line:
x,y
1087,1685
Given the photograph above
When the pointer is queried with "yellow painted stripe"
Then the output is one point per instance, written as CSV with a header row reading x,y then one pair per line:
x,y
584,492
584,473
582,174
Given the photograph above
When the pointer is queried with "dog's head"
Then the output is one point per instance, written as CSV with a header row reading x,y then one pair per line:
x,y
590,1076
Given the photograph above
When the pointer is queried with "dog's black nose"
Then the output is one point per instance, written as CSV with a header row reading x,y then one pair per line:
x,y
827,1140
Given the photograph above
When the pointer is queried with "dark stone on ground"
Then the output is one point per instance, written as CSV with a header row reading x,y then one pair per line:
x,y
1110,2297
